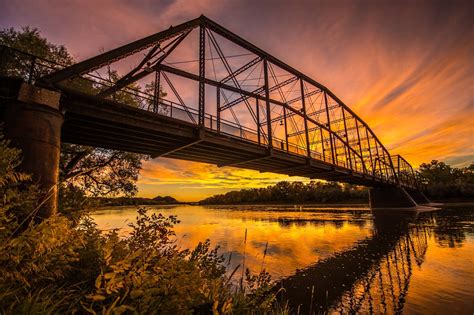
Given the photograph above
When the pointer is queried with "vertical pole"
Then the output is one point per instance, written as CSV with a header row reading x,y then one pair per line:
x,y
303,102
378,158
398,166
156,94
329,127
370,150
286,128
348,152
360,145
393,169
218,109
202,73
415,182
322,144
385,163
258,120
267,103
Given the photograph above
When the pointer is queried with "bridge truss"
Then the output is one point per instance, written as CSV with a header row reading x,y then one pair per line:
x,y
220,82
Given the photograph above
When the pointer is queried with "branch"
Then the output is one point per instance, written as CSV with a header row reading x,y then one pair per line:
x,y
74,161
90,170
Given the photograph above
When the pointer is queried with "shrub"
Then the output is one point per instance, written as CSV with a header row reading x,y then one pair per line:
x,y
67,266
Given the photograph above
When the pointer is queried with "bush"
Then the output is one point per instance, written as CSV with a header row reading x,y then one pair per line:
x,y
61,266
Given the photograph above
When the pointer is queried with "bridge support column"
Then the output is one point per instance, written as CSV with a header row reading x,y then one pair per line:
x,y
33,124
418,196
390,197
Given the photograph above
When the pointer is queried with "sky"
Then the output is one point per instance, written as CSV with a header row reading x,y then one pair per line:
x,y
405,67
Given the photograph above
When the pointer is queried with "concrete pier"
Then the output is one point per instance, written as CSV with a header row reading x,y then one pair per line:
x,y
32,121
419,197
388,197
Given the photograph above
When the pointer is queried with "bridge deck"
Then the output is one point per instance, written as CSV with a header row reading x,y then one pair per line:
x,y
90,120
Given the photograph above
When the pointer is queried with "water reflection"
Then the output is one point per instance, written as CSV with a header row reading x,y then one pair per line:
x,y
377,269
341,260
295,239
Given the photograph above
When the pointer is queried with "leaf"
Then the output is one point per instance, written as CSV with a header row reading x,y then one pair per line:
x,y
97,297
136,293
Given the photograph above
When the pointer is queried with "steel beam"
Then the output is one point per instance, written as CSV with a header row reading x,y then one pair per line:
x,y
267,104
202,73
118,53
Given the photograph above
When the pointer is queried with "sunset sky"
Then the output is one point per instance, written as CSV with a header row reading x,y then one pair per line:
x,y
405,67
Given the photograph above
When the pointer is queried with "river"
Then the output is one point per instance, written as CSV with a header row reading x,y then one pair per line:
x,y
338,259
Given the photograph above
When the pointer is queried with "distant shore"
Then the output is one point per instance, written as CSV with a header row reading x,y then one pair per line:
x,y
286,206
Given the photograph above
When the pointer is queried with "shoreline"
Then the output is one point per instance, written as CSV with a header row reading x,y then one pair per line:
x,y
286,206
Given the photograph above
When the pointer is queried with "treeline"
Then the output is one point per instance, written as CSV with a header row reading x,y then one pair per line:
x,y
132,201
441,181
293,192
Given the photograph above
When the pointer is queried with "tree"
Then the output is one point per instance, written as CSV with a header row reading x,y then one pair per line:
x,y
83,170
443,181
292,192
436,171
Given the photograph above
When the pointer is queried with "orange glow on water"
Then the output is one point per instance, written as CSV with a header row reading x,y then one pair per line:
x,y
423,266
296,243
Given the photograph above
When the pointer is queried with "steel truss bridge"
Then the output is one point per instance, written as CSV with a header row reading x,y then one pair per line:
x,y
199,92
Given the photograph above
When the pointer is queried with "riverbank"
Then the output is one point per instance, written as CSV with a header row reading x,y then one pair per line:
x,y
278,207
356,203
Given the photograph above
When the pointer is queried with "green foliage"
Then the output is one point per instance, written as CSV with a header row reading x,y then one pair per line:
x,y
30,40
292,192
443,181
58,266
18,195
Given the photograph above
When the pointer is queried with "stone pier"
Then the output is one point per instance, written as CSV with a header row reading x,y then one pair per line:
x,y
32,121
390,197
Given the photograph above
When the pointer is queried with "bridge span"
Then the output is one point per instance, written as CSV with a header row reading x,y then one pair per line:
x,y
196,92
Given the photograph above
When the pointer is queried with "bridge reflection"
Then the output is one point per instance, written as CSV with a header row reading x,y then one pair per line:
x,y
372,277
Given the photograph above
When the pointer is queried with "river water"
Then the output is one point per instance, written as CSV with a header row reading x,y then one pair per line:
x,y
341,260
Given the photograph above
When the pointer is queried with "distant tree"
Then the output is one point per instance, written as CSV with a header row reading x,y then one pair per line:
x,y
443,181
292,192
436,171
29,40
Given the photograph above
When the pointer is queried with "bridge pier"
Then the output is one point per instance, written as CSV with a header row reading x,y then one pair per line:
x,y
418,196
390,197
33,124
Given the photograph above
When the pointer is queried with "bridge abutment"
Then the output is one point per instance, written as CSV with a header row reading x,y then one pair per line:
x,y
33,123
389,197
